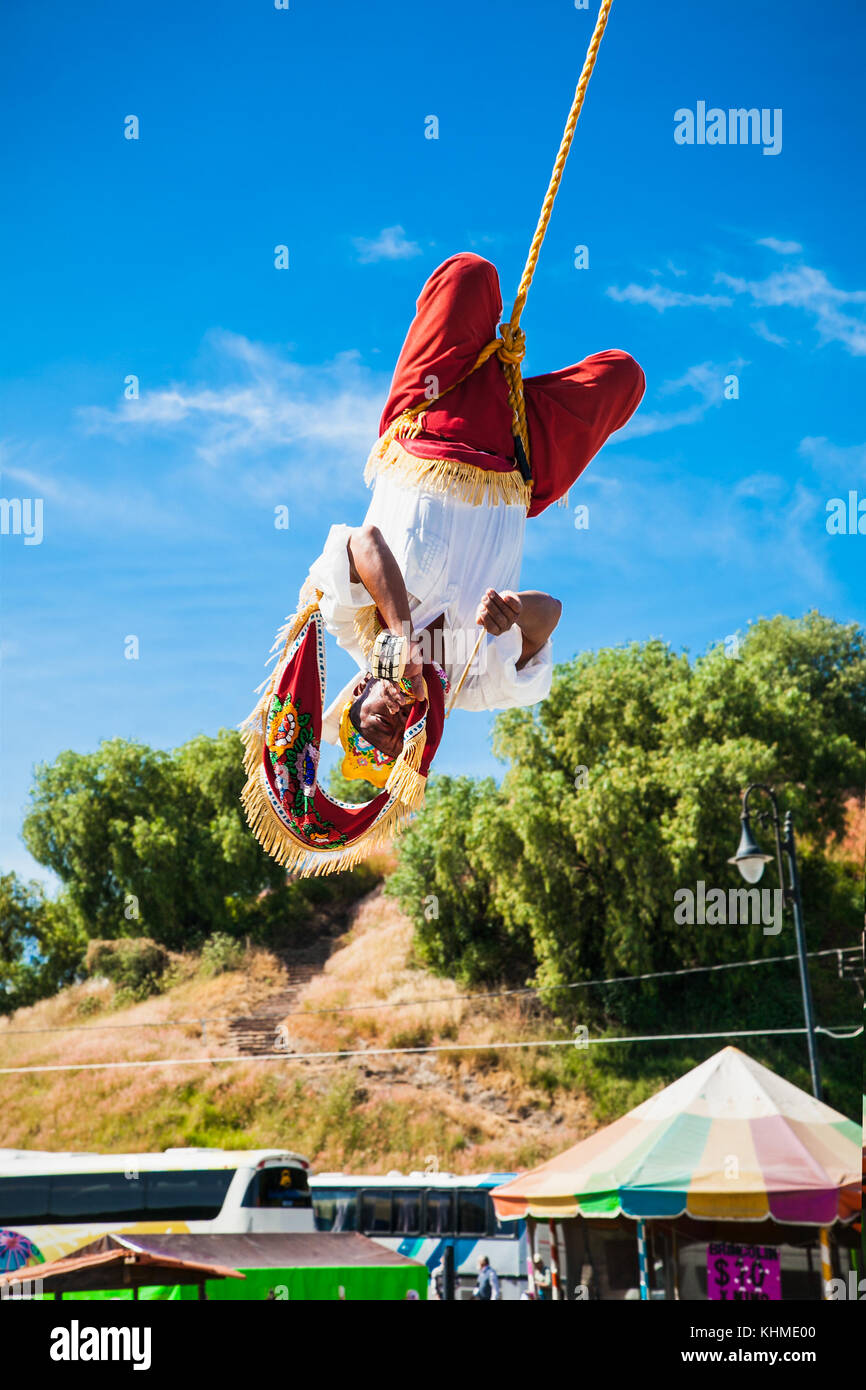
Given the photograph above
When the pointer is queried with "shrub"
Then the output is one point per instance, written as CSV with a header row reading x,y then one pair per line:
x,y
220,953
134,964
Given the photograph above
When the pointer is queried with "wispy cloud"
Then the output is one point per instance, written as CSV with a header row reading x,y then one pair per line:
x,y
391,244
706,383
660,297
844,464
765,487
768,335
810,290
834,312
646,515
72,504
783,248
318,420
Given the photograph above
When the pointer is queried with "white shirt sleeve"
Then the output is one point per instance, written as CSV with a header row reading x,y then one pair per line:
x,y
495,682
341,599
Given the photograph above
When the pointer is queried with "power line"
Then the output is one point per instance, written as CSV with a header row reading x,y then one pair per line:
x,y
854,1031
439,999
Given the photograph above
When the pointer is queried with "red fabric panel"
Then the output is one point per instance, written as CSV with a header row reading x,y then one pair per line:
x,y
457,314
316,820
570,412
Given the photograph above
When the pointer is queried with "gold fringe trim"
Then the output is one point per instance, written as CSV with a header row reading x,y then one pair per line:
x,y
276,840
306,860
405,782
254,727
407,425
367,629
477,486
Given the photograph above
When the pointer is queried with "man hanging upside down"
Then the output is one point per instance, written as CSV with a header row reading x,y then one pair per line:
x,y
440,549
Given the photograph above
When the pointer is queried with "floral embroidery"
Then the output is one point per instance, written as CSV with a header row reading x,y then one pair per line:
x,y
282,725
306,761
294,758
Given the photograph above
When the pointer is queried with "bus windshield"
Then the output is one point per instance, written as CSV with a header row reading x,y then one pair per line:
x,y
194,1194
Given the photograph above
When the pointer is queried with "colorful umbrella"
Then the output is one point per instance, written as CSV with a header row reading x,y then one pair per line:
x,y
729,1141
17,1250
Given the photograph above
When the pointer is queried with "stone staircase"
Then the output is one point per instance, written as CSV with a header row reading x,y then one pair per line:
x,y
256,1034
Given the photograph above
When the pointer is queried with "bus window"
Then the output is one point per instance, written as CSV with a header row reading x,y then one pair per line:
x,y
471,1213
23,1201
336,1209
278,1187
376,1213
190,1194
96,1197
439,1217
407,1213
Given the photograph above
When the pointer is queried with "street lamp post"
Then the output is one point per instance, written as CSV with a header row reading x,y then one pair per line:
x,y
751,861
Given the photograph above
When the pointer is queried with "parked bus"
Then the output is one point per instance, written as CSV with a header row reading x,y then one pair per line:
x,y
419,1214
52,1203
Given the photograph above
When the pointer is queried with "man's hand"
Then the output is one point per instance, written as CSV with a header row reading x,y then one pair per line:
x,y
498,612
413,672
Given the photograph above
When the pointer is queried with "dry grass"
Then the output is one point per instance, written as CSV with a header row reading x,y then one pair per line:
x,y
466,1111
372,966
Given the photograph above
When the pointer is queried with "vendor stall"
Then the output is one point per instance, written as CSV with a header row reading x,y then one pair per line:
x,y
729,1147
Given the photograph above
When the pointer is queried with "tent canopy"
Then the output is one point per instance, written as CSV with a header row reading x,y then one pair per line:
x,y
729,1141
114,1267
257,1250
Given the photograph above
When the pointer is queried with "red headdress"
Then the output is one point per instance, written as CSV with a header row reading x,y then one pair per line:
x,y
288,812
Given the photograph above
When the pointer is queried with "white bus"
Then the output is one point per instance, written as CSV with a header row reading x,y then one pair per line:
x,y
419,1214
52,1203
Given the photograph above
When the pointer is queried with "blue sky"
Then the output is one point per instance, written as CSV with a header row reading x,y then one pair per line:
x,y
262,388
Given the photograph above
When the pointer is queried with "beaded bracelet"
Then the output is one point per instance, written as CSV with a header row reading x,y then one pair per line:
x,y
389,656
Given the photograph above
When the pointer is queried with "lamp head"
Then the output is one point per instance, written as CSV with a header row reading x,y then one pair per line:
x,y
749,859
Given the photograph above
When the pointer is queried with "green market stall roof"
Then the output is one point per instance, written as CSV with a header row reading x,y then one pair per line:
x,y
295,1265
729,1141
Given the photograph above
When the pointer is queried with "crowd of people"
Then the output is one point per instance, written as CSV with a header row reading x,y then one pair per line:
x,y
487,1287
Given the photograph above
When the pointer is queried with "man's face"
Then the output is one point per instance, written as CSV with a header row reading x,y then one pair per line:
x,y
380,714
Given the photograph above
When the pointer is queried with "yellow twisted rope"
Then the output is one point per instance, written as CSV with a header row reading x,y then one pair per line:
x,y
510,346
513,339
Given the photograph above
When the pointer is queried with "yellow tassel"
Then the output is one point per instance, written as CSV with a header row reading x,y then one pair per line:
x,y
367,629
407,426
405,782
276,839
477,486
407,786
303,859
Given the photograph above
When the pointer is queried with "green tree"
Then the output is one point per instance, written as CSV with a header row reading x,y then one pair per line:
x,y
624,786
40,949
147,842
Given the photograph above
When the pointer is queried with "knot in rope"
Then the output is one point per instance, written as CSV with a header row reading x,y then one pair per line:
x,y
511,347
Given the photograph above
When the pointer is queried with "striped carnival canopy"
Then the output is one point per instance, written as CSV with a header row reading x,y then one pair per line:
x,y
729,1141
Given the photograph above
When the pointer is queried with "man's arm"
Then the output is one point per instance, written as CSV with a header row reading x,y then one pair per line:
x,y
535,613
372,564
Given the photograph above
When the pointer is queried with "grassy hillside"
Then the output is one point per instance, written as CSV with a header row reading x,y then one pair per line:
x,y
491,1108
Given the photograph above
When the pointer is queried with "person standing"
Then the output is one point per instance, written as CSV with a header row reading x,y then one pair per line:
x,y
487,1287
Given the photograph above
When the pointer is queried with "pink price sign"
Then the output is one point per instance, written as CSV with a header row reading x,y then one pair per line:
x,y
741,1273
